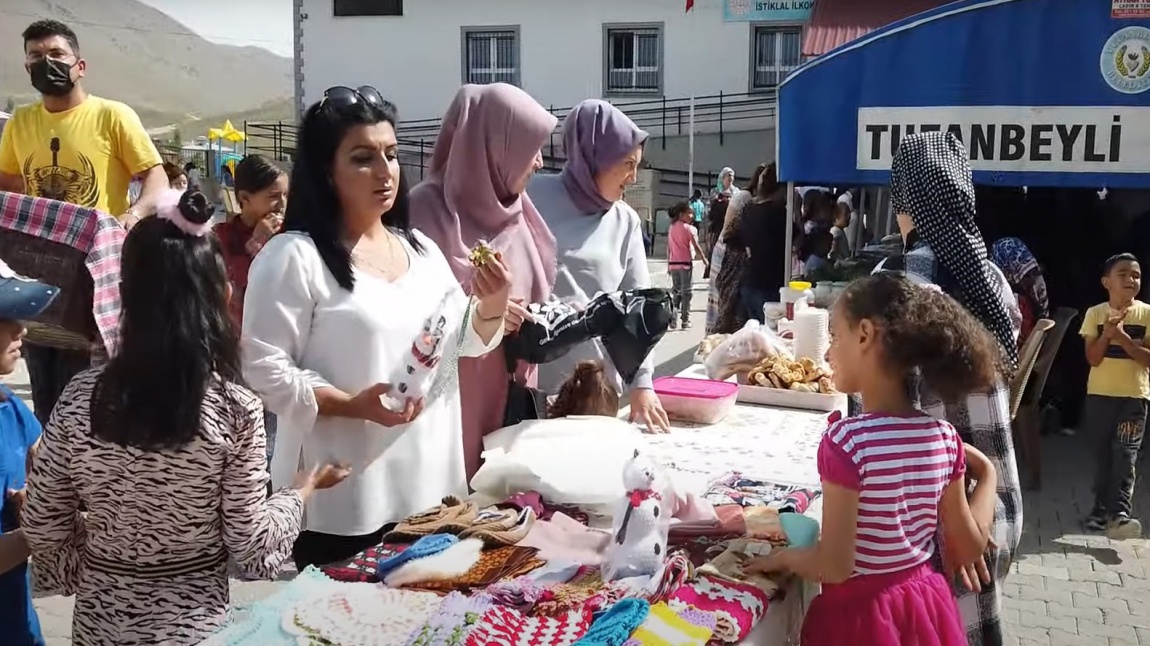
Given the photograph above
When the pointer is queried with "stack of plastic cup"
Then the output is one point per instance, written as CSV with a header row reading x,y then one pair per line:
x,y
812,334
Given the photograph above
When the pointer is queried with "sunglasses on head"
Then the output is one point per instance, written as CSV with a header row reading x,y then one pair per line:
x,y
342,97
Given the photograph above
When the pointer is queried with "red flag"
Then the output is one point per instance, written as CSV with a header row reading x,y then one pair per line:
x,y
690,4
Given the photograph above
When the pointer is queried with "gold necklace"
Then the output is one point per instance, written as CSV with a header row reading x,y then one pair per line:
x,y
362,258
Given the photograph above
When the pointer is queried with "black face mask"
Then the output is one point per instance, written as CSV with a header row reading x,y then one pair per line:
x,y
51,77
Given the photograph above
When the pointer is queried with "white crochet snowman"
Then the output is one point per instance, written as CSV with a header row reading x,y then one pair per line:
x,y
420,364
640,524
426,351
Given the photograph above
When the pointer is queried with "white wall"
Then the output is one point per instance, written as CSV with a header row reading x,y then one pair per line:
x,y
415,60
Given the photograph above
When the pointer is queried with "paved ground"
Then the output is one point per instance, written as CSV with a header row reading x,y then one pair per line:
x,y
1068,588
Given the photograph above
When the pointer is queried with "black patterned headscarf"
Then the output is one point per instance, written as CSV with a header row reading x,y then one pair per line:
x,y
930,179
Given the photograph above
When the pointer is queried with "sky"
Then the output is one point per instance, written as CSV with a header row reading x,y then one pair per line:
x,y
261,23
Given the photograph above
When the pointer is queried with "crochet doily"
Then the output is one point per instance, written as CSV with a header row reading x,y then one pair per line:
x,y
359,614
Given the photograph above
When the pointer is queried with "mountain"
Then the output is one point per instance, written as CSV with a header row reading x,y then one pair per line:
x,y
139,55
280,110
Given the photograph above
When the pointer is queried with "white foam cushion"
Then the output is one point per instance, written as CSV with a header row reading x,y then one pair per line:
x,y
573,460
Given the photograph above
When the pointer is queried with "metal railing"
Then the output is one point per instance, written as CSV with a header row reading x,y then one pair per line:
x,y
180,156
660,117
273,139
667,117
674,184
278,142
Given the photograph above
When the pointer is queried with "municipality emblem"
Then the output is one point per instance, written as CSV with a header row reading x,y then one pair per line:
x,y
1125,60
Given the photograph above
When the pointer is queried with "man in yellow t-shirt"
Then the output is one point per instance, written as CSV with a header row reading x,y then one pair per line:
x,y
71,146
74,148
1117,393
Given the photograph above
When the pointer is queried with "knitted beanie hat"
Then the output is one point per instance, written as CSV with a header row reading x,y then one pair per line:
x,y
614,627
451,564
426,546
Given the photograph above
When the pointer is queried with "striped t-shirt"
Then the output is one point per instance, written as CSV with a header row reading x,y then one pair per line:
x,y
900,467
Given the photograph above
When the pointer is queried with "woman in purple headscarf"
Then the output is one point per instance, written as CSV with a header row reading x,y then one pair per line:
x,y
598,237
485,154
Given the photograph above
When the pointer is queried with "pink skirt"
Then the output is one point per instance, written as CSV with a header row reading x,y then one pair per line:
x,y
913,607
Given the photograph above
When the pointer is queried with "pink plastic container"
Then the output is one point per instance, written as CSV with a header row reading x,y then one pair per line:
x,y
699,401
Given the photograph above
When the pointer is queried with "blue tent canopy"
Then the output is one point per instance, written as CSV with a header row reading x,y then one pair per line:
x,y
1042,92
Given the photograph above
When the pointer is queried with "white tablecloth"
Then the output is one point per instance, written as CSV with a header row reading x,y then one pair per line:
x,y
768,443
777,444
773,444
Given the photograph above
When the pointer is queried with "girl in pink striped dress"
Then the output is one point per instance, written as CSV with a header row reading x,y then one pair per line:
x,y
893,477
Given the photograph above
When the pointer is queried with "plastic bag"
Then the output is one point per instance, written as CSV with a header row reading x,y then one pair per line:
x,y
743,350
630,324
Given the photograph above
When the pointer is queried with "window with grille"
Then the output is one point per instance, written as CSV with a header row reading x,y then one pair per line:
x,y
491,55
634,58
776,51
367,7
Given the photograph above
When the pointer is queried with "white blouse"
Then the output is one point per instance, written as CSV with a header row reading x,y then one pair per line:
x,y
302,331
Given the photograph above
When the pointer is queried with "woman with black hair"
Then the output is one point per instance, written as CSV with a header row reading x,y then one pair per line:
x,y
164,447
338,303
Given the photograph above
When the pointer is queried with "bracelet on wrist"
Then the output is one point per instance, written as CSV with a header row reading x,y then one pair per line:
x,y
479,315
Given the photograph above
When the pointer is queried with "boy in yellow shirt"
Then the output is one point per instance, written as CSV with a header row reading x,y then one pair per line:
x,y
1117,393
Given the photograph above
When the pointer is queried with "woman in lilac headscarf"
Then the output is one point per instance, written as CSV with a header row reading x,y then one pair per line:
x,y
599,238
487,151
